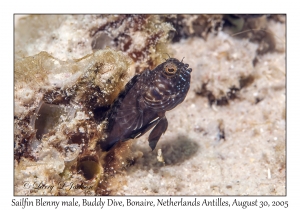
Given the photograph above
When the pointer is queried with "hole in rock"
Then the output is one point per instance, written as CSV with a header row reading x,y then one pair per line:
x,y
89,167
48,116
102,40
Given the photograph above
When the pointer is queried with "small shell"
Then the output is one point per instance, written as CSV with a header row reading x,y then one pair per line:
x,y
160,157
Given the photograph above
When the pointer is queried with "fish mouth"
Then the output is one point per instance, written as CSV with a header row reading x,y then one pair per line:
x,y
185,68
189,70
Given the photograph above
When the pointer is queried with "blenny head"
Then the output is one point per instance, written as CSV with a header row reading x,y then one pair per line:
x,y
169,84
173,72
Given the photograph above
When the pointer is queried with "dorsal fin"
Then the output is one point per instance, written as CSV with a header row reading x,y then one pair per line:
x,y
117,102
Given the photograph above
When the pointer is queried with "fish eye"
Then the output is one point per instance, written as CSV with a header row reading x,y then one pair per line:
x,y
170,69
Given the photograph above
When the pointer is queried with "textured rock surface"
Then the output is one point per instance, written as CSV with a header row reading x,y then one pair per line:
x,y
56,127
226,138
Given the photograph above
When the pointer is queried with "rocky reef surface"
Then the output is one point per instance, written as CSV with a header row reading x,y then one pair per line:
x,y
226,138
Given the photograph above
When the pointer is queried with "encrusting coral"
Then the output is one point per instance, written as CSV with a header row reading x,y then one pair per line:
x,y
54,110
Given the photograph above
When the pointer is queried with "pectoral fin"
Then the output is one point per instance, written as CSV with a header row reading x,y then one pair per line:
x,y
157,131
143,130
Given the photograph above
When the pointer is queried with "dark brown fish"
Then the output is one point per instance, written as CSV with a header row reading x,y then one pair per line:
x,y
144,101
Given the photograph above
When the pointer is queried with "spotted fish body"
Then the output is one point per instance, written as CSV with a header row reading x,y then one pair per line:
x,y
144,102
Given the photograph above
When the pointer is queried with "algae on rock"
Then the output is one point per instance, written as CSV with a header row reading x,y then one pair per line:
x,y
55,127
